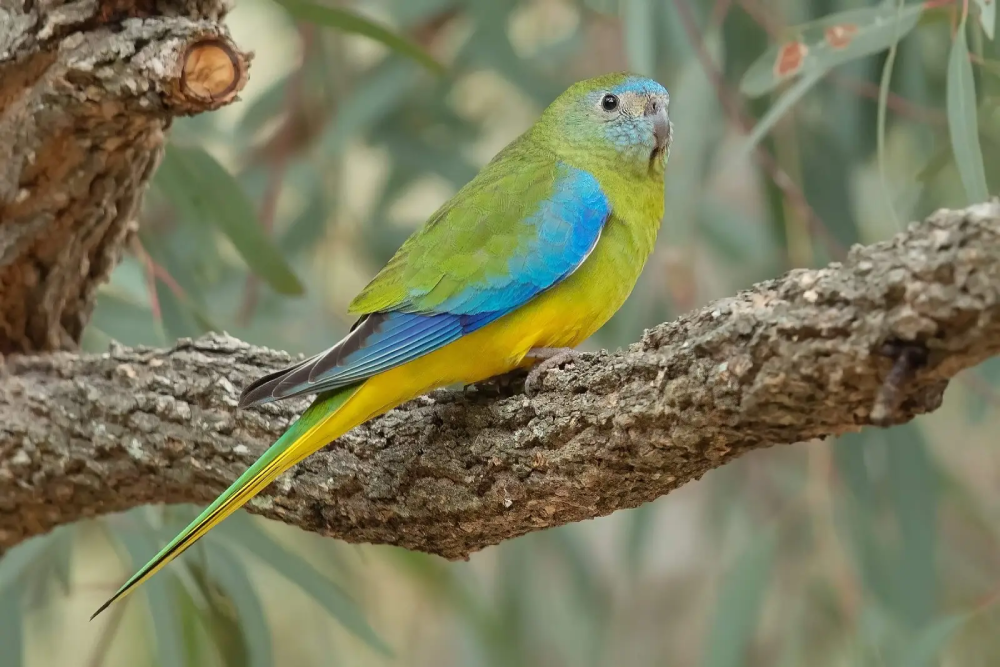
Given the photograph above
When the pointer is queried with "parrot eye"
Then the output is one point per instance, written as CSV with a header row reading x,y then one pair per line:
x,y
609,102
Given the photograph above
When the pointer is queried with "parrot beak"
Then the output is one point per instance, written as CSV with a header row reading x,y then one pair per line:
x,y
656,110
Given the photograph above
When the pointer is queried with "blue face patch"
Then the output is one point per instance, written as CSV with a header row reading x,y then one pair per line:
x,y
627,133
639,85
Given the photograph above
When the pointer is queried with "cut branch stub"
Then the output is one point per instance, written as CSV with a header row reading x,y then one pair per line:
x,y
87,92
213,72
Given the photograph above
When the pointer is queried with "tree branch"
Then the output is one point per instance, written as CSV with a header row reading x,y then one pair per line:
x,y
809,355
87,91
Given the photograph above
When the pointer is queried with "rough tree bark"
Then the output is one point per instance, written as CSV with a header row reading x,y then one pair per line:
x,y
812,354
87,90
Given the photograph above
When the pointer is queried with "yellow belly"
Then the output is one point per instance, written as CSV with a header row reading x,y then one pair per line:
x,y
497,348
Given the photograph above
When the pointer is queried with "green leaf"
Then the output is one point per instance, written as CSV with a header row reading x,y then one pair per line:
x,y
793,94
694,106
383,90
925,651
991,66
194,175
738,606
962,123
987,386
201,629
640,36
120,317
856,509
736,238
334,17
93,340
639,528
17,563
587,627
579,566
226,570
178,319
913,487
307,228
987,16
883,96
242,530
12,625
159,595
831,41
60,554
938,160
266,106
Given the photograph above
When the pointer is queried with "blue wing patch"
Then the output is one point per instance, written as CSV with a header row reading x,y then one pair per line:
x,y
567,226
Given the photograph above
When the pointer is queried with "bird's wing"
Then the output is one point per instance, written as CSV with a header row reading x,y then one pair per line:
x,y
523,225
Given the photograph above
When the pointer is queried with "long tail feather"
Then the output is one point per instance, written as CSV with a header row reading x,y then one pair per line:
x,y
298,442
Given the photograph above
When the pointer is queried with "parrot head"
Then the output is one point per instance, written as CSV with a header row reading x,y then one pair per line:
x,y
618,118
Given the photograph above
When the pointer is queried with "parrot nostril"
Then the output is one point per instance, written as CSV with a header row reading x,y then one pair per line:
x,y
653,106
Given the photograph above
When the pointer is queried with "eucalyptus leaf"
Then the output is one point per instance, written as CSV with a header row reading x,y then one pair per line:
x,y
962,123
242,530
640,36
266,106
18,562
914,487
987,16
229,573
925,651
990,66
120,317
382,91
739,602
638,531
12,625
782,105
938,160
212,190
348,21
819,46
179,320
308,227
60,554
160,596
856,512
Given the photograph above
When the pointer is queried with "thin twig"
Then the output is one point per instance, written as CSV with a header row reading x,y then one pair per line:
x,y
894,102
762,18
719,12
150,272
155,272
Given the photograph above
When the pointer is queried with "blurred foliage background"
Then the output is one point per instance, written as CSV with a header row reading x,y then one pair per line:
x,y
802,127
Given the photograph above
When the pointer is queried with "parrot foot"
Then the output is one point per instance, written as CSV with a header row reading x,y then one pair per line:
x,y
499,385
549,357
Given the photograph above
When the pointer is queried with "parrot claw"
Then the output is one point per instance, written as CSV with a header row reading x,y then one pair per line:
x,y
549,358
499,385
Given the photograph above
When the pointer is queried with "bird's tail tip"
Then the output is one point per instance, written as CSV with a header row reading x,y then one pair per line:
x,y
101,608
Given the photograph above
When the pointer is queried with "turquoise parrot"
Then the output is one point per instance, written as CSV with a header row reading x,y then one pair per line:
x,y
526,261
